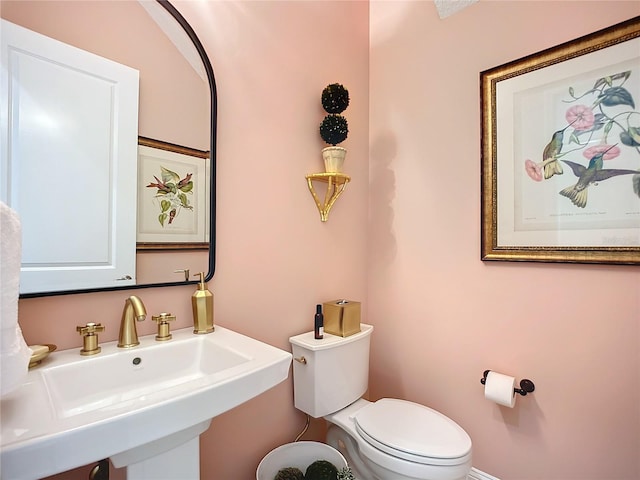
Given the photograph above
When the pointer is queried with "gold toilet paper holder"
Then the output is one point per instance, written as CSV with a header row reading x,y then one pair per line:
x,y
526,385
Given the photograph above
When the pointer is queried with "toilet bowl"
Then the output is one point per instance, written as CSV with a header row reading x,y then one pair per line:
x,y
399,440
389,439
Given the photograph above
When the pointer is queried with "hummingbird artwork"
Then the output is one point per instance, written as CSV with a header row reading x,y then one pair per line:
x,y
550,153
589,175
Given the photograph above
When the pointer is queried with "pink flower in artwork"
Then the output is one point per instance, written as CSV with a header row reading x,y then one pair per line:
x,y
533,170
610,151
580,117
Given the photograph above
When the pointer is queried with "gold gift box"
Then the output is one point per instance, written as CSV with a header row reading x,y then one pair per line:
x,y
341,317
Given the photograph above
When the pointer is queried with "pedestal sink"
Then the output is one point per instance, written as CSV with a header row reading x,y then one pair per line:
x,y
144,407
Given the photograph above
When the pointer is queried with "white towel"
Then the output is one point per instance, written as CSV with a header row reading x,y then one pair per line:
x,y
14,352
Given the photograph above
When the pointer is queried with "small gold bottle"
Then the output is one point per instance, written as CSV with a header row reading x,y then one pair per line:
x,y
202,303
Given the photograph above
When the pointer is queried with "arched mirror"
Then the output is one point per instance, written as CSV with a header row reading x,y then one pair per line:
x,y
172,147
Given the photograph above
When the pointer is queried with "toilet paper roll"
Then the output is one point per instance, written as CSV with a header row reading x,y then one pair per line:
x,y
499,388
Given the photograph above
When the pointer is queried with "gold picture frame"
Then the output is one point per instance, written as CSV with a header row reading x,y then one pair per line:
x,y
560,150
173,196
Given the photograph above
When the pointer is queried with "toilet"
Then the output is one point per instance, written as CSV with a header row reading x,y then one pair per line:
x,y
389,439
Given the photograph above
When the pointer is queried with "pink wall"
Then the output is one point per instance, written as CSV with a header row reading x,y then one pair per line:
x,y
442,316
276,260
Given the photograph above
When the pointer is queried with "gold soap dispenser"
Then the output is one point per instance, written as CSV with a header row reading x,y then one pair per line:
x,y
202,303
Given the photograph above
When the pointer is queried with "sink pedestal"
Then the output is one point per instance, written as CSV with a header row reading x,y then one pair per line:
x,y
180,463
175,457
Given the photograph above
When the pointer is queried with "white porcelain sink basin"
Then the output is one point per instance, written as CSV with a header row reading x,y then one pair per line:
x,y
130,404
123,377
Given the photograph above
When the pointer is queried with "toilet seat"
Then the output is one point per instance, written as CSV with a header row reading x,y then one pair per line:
x,y
413,432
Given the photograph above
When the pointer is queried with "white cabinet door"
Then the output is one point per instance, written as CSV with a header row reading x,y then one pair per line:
x,y
68,161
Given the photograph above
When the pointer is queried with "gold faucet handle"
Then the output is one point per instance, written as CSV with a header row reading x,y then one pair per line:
x,y
163,317
163,325
90,328
89,338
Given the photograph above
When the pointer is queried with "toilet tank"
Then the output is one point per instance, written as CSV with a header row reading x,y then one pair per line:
x,y
334,372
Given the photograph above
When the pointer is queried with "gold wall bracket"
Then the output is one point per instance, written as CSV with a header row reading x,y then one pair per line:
x,y
336,183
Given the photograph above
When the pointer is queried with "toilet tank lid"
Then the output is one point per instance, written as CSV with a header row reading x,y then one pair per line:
x,y
408,427
307,340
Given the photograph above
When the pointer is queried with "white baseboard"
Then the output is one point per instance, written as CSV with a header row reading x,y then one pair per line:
x,y
476,474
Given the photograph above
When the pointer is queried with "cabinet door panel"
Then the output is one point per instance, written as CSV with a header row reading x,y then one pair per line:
x,y
79,228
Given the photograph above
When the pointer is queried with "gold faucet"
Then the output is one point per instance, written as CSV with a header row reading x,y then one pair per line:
x,y
133,310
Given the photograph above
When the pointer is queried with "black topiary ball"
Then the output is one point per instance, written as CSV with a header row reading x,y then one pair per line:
x,y
289,473
334,129
321,470
335,98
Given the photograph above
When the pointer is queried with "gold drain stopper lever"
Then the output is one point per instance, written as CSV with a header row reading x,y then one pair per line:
x,y
163,320
89,338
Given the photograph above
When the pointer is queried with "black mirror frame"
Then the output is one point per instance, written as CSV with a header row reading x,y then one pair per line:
x,y
212,232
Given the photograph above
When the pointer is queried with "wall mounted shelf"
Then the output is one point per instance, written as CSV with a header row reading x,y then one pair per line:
x,y
336,183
